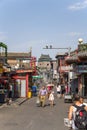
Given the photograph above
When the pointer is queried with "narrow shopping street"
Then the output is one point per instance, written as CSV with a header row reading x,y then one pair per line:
x,y
27,116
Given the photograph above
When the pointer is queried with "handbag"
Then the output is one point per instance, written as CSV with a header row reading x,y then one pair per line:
x,y
67,122
38,100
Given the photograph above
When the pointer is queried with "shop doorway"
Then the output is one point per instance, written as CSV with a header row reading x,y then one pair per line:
x,y
23,88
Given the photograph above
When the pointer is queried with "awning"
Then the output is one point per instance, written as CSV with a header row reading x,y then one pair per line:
x,y
72,59
82,55
50,85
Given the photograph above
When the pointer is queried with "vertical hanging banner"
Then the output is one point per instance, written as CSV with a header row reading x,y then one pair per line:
x,y
1,68
33,63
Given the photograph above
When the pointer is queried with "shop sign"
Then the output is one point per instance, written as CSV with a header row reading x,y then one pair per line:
x,y
5,69
23,71
1,68
1,65
37,77
81,68
33,63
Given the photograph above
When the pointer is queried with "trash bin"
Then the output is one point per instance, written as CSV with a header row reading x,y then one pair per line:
x,y
29,94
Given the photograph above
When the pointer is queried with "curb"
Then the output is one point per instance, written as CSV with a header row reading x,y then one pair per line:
x,y
4,104
16,102
23,101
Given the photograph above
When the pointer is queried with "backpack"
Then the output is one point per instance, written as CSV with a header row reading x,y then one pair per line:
x,y
80,117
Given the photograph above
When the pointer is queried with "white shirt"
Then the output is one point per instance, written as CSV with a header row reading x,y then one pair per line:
x,y
51,96
10,87
58,88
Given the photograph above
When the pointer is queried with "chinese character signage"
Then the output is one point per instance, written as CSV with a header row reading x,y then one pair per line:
x,y
33,63
82,68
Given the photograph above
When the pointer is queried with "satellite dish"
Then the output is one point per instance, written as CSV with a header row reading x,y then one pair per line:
x,y
80,41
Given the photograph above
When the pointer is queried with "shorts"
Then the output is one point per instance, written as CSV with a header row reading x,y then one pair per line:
x,y
58,92
42,98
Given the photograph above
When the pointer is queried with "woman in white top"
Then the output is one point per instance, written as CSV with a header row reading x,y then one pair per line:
x,y
51,98
58,89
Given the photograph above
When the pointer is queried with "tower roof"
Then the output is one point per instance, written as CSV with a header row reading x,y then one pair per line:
x,y
44,58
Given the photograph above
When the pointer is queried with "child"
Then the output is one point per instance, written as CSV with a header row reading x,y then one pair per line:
x,y
51,98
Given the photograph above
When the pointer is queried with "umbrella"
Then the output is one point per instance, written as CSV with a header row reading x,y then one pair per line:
x,y
50,85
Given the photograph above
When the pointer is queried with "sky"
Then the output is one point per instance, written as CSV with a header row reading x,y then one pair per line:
x,y
33,24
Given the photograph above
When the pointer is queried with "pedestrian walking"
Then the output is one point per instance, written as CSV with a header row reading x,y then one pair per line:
x,y
62,90
58,89
34,90
78,104
43,94
51,98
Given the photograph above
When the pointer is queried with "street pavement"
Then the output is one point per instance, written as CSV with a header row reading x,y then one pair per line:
x,y
23,114
16,101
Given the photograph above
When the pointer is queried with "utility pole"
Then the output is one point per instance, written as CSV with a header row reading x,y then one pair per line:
x,y
50,47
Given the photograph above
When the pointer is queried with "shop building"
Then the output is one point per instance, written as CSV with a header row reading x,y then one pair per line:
x,y
22,82
24,67
21,67
79,62
62,68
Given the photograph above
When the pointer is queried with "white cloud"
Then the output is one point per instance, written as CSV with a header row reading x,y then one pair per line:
x,y
75,34
79,5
